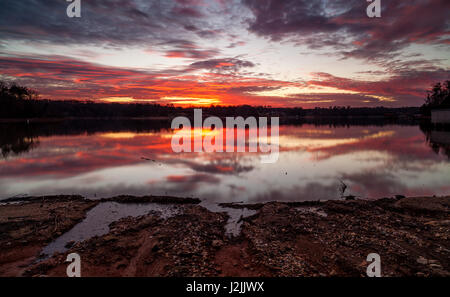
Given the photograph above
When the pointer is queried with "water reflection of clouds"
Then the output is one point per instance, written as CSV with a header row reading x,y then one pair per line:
x,y
373,161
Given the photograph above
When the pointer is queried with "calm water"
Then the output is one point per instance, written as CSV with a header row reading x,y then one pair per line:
x,y
103,159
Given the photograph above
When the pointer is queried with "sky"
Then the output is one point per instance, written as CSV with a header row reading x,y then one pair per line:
x,y
228,52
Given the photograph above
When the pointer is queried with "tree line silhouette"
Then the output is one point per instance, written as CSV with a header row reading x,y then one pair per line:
x,y
437,97
21,102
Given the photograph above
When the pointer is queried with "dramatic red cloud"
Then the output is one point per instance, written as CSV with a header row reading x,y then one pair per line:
x,y
229,51
61,78
406,88
214,81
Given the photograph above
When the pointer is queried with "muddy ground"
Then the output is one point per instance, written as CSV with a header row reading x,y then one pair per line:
x,y
26,227
331,238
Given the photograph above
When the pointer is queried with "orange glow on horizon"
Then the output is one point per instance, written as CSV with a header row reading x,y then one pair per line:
x,y
125,100
194,101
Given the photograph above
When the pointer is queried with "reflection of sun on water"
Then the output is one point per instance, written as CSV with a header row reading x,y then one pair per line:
x,y
314,158
194,131
285,141
314,143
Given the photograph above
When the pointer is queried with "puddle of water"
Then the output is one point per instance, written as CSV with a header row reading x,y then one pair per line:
x,y
99,218
234,223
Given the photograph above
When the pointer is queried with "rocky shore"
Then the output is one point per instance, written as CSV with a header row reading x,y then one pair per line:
x,y
330,238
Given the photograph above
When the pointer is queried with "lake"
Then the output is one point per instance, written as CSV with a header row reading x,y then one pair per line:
x,y
96,159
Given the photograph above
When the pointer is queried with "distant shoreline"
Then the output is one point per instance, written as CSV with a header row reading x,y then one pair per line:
x,y
167,118
48,110
52,120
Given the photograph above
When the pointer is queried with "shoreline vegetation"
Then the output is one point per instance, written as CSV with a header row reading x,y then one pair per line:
x,y
65,110
22,104
316,238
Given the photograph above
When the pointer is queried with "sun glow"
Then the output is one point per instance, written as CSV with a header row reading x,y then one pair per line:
x,y
289,92
192,100
124,100
382,98
124,135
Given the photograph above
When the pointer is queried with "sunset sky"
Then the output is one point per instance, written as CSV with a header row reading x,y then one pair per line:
x,y
201,52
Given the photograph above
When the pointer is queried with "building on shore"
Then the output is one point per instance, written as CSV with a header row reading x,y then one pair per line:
x,y
441,114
